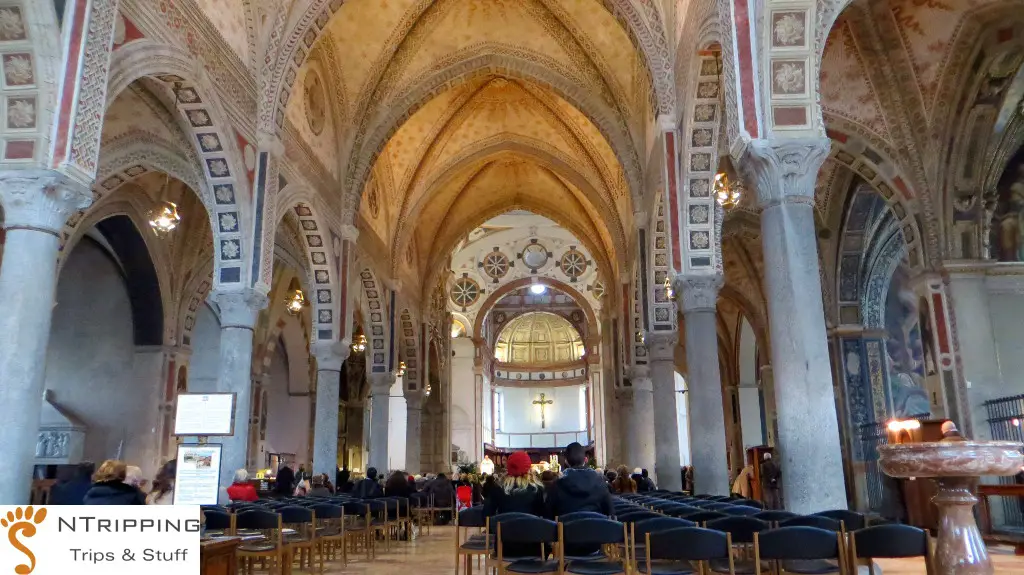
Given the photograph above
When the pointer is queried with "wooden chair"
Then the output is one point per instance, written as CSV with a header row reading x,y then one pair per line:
x,y
800,550
330,532
466,545
303,539
268,544
891,542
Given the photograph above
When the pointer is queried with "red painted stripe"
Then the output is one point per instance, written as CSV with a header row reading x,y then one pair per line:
x,y
673,197
836,135
940,323
742,30
67,98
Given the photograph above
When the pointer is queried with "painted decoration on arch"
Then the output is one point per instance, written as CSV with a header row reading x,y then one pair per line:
x,y
1007,234
905,351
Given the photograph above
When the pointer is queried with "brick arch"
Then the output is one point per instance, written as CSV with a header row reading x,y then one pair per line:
x,y
474,66
410,346
375,320
323,277
220,149
293,45
496,295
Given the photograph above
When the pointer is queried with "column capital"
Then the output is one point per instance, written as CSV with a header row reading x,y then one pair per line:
x,y
349,232
661,344
239,308
414,399
380,383
784,170
330,355
270,142
699,292
40,200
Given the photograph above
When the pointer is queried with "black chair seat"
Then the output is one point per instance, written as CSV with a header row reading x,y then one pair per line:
x,y
328,531
741,566
475,545
595,567
533,566
667,568
293,538
595,556
258,546
810,566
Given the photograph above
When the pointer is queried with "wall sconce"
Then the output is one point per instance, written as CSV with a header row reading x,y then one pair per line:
x,y
401,368
359,346
669,292
296,303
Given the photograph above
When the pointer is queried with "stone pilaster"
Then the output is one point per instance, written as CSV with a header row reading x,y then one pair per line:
x,y
661,346
36,204
698,302
238,312
783,173
413,431
329,357
380,411
639,408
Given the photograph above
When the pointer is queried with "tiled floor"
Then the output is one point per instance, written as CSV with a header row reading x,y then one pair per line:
x,y
434,554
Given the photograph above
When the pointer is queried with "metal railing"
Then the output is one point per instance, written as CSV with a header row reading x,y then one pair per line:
x,y
1005,415
872,436
527,440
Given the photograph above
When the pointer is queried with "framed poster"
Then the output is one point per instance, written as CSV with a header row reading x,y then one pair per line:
x,y
197,480
205,414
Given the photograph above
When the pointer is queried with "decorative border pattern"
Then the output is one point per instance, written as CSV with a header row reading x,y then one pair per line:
x,y
318,253
664,308
410,347
375,309
700,154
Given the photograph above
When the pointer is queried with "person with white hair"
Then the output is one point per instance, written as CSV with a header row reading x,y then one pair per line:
x,y
241,489
133,477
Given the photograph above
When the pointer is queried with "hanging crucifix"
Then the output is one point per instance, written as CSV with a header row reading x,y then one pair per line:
x,y
542,402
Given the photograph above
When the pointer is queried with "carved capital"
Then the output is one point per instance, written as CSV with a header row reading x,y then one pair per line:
x,y
661,345
239,308
640,378
699,292
330,355
380,383
40,199
349,232
784,170
414,400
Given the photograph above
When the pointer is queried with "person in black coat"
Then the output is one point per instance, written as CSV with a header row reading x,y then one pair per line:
x,y
520,491
284,481
72,491
579,488
109,488
368,488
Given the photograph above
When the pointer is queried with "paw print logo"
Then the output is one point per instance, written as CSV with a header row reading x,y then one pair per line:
x,y
23,522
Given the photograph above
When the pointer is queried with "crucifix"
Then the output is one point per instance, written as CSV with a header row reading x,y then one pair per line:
x,y
542,402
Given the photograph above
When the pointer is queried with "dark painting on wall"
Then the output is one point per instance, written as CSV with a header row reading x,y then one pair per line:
x,y
905,352
1006,241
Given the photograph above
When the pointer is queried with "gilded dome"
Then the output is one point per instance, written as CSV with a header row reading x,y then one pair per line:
x,y
538,338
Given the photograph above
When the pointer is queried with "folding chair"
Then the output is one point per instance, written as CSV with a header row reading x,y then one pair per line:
x,y
673,552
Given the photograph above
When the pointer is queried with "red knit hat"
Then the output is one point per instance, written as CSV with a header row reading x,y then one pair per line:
x,y
519,464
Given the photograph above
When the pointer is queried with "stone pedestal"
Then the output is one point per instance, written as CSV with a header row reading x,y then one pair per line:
x,y
639,411
238,311
329,357
414,425
783,173
380,408
661,347
699,298
36,204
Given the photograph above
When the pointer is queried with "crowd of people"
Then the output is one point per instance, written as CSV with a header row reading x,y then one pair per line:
x,y
115,483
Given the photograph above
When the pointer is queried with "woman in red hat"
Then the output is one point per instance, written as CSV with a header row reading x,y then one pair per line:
x,y
520,490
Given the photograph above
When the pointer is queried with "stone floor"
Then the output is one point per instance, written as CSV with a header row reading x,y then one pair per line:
x,y
434,554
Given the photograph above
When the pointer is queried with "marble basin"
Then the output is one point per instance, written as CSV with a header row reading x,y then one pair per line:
x,y
951,459
954,466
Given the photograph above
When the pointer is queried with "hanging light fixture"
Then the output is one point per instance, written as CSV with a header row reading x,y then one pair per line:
x,y
359,346
427,390
401,368
296,303
164,218
727,192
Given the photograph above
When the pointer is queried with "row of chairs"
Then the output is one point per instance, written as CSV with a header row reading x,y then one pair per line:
x,y
674,546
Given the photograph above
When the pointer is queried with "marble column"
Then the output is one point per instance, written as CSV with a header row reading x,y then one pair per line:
x,y
661,347
783,173
238,311
329,357
413,431
36,204
380,408
698,302
639,432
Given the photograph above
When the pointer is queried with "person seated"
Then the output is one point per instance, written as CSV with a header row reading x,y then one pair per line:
x,y
241,489
72,491
319,489
367,487
109,488
623,482
580,488
283,482
397,485
133,477
444,495
302,487
520,491
163,484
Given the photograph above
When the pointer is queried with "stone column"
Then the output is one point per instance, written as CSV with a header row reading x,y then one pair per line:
x,y
413,428
380,406
329,357
639,432
36,204
661,346
699,300
238,311
783,173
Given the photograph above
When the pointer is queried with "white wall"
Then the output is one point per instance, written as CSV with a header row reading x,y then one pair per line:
x,y
683,420
287,416
522,416
1008,330
204,364
465,408
749,394
92,365
398,422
